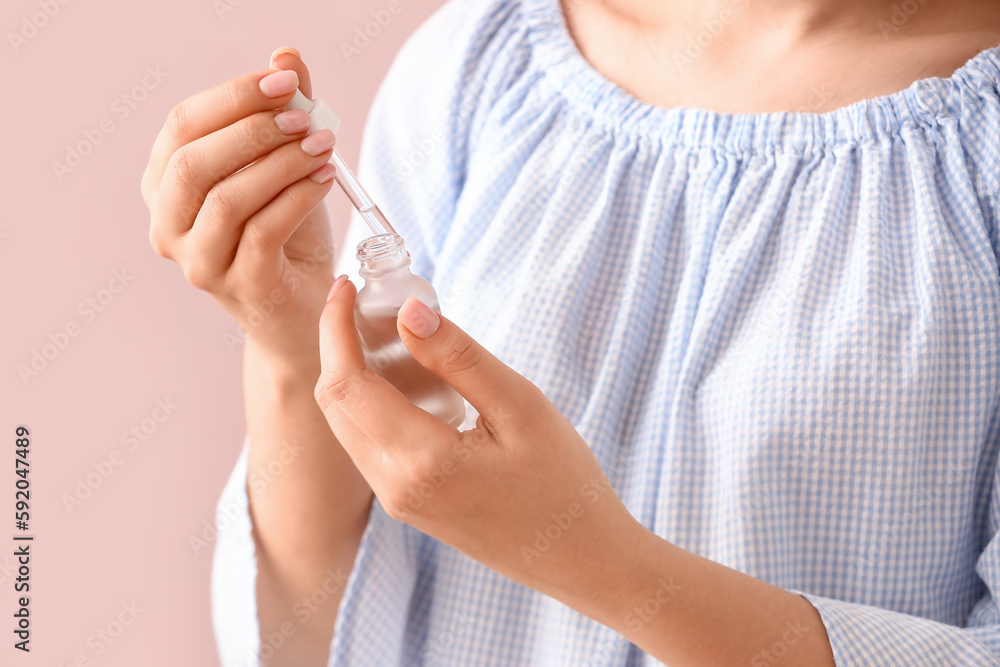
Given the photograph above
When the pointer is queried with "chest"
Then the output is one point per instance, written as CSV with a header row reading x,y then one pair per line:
x,y
720,62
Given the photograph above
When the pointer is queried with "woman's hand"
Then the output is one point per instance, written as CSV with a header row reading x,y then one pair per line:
x,y
234,190
511,493
523,494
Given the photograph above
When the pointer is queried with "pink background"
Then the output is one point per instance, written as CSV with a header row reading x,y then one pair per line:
x,y
157,339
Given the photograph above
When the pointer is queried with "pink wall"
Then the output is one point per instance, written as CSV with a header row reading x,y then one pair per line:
x,y
157,339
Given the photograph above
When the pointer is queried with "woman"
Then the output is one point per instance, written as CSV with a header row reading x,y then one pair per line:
x,y
737,264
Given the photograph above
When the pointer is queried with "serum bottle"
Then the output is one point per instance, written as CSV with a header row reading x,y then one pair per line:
x,y
385,267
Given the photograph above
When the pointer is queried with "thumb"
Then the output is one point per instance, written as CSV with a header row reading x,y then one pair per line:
x,y
492,387
288,57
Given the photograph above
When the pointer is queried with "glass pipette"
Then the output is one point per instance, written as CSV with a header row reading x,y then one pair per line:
x,y
321,117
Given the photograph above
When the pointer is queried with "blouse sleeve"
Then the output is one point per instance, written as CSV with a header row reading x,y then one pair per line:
x,y
234,572
866,635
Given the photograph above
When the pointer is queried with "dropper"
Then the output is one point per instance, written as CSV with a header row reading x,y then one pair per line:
x,y
320,118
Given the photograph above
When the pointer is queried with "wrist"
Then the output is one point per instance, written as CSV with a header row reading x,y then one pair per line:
x,y
613,577
287,370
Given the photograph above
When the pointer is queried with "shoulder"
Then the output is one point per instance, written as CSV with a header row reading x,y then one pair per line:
x,y
461,39
978,118
444,80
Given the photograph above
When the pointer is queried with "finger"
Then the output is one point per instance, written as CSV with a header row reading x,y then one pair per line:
x,y
209,111
492,387
288,57
348,392
281,177
260,248
196,168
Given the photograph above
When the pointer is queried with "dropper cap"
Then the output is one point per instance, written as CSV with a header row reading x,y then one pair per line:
x,y
320,115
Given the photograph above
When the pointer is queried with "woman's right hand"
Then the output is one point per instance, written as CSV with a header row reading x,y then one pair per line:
x,y
235,191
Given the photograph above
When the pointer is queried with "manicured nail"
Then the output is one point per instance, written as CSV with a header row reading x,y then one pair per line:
x,y
318,143
292,122
279,83
324,173
337,284
421,321
285,49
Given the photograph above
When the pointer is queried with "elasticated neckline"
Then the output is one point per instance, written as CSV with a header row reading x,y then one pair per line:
x,y
924,103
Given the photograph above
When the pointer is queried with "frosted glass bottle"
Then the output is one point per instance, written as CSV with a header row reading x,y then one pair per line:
x,y
385,267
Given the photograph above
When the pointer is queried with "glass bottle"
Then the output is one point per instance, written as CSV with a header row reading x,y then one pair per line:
x,y
385,267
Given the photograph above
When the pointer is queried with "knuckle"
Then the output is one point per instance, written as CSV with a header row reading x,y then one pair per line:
x,y
288,161
257,238
196,274
231,94
296,198
333,389
177,121
266,130
247,140
397,506
146,189
255,135
464,356
219,204
184,169
160,245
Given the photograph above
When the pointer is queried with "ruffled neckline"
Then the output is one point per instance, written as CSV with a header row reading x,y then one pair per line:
x,y
924,103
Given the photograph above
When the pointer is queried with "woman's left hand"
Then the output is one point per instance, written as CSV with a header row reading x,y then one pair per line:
x,y
521,493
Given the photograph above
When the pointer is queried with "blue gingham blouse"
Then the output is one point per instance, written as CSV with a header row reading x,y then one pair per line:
x,y
779,333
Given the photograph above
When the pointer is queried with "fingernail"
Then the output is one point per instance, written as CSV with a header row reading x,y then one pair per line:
x,y
337,284
418,318
285,49
318,143
324,173
292,122
279,83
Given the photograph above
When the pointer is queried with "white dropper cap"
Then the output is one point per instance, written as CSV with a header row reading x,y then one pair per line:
x,y
320,115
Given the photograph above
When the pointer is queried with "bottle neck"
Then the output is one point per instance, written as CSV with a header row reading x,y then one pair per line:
x,y
382,255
